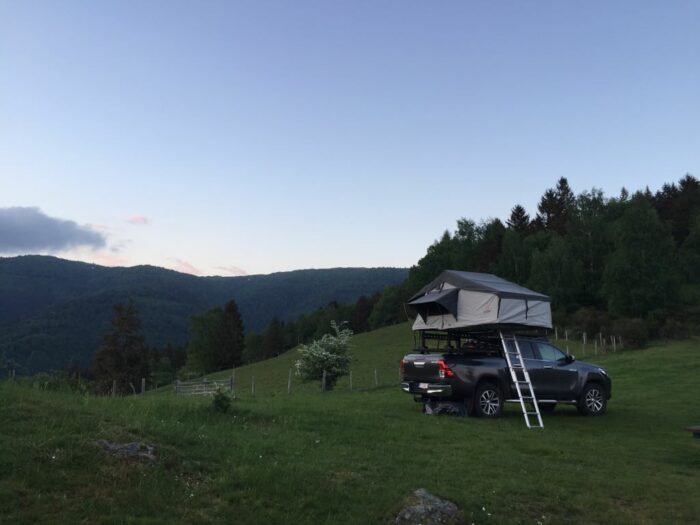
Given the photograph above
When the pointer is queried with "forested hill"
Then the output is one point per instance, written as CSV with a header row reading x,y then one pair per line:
x,y
53,311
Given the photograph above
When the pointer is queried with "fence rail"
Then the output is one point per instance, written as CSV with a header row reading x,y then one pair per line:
x,y
203,386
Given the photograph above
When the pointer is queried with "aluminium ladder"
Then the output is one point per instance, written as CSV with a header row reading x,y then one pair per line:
x,y
523,385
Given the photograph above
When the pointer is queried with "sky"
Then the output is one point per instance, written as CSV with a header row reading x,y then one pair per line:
x,y
234,137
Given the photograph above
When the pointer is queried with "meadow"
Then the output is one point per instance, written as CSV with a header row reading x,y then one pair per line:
x,y
345,456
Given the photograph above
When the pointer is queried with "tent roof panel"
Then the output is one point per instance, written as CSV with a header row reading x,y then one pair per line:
x,y
481,282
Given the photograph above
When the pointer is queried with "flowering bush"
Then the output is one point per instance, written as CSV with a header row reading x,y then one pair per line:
x,y
221,401
330,353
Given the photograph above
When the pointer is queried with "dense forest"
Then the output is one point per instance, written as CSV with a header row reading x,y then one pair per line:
x,y
54,312
628,264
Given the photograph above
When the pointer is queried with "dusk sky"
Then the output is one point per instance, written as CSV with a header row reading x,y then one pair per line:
x,y
252,137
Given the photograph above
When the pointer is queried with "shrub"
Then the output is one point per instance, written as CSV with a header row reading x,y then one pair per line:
x,y
329,354
221,401
591,321
674,329
634,332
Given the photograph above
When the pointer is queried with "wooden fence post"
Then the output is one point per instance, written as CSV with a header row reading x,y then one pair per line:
x,y
143,385
556,334
376,378
350,379
595,346
614,343
566,335
289,382
323,382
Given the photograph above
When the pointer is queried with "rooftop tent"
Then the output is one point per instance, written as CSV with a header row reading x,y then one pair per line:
x,y
456,300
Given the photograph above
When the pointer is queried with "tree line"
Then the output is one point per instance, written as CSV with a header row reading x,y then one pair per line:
x,y
628,264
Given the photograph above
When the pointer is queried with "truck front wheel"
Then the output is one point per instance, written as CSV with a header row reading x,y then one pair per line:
x,y
593,401
488,401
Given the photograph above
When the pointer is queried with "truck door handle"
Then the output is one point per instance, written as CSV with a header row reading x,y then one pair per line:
x,y
547,366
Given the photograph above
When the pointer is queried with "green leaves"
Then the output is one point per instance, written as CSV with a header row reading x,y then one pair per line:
x,y
330,354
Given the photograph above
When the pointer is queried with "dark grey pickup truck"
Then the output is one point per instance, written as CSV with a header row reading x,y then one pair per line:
x,y
477,375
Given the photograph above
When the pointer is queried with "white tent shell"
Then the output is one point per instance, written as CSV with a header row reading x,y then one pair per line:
x,y
459,300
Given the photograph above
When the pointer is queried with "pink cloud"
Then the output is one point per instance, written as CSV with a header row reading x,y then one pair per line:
x,y
231,270
183,266
138,219
107,259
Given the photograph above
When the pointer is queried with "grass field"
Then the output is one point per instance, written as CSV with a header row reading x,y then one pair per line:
x,y
351,457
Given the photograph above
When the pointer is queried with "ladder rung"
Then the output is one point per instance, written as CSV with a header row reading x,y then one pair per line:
x,y
531,413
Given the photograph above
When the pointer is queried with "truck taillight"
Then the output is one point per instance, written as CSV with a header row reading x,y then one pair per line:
x,y
402,365
444,370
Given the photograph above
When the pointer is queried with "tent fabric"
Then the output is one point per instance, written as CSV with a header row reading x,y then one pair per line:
x,y
447,299
480,282
481,299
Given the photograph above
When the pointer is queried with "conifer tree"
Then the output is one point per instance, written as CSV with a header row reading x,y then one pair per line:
x,y
122,356
519,220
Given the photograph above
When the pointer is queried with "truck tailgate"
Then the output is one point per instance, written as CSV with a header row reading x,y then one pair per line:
x,y
421,367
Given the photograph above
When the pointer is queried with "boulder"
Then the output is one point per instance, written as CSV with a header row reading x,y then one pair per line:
x,y
135,449
423,508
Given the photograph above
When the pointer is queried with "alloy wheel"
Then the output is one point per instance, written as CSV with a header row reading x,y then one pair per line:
x,y
594,400
489,402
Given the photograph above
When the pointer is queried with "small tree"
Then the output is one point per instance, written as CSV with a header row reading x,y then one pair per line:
x,y
331,354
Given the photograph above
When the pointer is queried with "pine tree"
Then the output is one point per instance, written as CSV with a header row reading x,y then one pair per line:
x,y
217,341
122,356
555,206
273,339
234,337
519,220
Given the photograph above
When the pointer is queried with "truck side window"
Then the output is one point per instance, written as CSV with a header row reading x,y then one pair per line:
x,y
549,352
526,350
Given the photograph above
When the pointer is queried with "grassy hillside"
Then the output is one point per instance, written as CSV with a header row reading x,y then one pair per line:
x,y
54,311
352,456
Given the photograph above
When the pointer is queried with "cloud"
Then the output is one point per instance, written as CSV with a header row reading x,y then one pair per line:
x,y
231,270
24,230
184,267
106,259
138,219
119,246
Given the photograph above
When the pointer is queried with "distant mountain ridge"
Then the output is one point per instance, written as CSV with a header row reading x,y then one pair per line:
x,y
54,311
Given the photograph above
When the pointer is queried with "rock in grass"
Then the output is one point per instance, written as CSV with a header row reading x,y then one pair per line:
x,y
425,509
134,449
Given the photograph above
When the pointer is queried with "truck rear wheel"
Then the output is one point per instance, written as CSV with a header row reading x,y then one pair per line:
x,y
488,401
